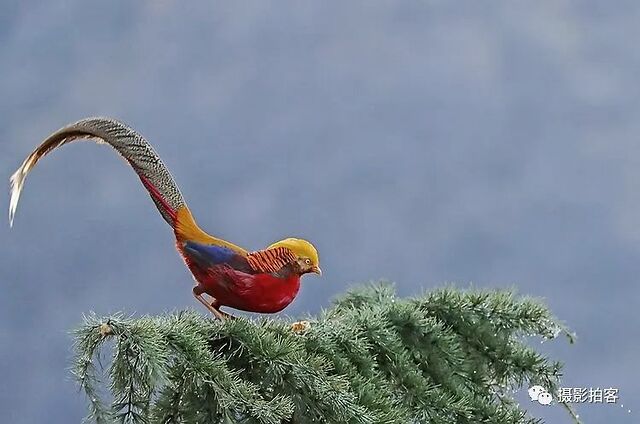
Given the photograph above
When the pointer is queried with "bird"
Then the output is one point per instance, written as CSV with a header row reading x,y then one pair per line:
x,y
262,281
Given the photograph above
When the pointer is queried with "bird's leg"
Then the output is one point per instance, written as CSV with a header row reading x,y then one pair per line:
x,y
216,305
197,293
224,314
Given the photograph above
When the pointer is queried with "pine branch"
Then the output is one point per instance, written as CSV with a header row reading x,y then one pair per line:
x,y
449,356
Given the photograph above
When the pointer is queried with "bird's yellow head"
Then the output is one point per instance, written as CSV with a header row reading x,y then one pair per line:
x,y
307,254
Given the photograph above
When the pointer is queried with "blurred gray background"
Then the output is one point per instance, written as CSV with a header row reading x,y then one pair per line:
x,y
487,143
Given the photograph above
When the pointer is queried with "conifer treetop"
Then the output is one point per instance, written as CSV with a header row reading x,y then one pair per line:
x,y
449,356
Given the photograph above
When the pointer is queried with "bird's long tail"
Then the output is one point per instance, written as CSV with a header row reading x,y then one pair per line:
x,y
129,144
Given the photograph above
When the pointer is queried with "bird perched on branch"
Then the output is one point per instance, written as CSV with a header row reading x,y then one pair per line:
x,y
263,281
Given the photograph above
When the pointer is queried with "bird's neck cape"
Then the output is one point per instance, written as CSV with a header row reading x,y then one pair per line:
x,y
299,247
186,229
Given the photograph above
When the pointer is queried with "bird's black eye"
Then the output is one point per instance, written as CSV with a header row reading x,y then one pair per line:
x,y
307,261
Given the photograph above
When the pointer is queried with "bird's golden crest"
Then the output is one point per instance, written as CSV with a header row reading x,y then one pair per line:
x,y
302,249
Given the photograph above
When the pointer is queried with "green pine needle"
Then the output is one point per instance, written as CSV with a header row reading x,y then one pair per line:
x,y
449,356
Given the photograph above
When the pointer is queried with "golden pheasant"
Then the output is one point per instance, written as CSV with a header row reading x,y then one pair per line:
x,y
263,281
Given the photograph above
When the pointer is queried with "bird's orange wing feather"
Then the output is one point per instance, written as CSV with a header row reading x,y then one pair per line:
x,y
270,260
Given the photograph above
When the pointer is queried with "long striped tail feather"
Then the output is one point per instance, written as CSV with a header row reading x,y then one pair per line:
x,y
128,143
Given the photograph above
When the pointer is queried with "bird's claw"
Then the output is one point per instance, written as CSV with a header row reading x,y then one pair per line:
x,y
225,315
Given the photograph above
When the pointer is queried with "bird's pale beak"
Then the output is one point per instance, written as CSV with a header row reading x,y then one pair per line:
x,y
317,270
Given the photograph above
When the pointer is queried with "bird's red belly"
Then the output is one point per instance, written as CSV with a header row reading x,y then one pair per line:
x,y
261,293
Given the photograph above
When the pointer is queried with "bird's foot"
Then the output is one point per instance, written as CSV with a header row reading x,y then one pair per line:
x,y
212,307
223,314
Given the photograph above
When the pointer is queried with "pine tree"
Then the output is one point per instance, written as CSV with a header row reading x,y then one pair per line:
x,y
449,356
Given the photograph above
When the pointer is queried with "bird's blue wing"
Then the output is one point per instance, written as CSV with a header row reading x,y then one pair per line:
x,y
208,255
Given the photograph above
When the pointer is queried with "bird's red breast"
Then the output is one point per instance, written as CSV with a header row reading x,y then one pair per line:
x,y
243,290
